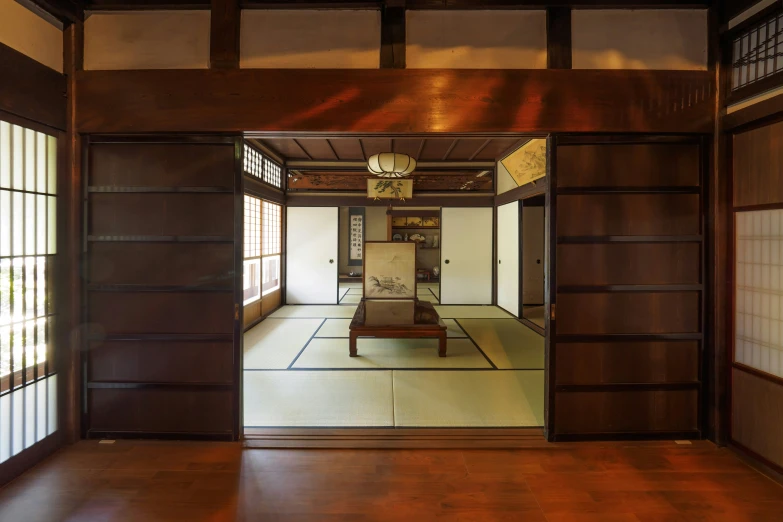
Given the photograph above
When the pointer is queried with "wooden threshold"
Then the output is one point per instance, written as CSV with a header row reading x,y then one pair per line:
x,y
394,438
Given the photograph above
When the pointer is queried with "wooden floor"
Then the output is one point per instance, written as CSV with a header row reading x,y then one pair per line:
x,y
612,482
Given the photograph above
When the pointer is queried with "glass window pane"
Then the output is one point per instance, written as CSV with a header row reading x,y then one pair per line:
x,y
252,281
5,223
271,280
17,157
5,154
51,171
17,223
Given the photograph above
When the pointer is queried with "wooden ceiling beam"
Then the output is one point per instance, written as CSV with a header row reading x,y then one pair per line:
x,y
65,12
393,7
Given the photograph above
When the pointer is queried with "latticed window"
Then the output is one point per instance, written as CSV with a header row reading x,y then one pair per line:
x,y
757,53
28,249
263,240
262,167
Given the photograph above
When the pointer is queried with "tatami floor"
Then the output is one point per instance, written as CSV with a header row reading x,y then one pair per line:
x,y
298,372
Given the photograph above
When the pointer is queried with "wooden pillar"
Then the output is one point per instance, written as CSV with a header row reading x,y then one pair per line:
x,y
558,37
393,35
224,34
70,232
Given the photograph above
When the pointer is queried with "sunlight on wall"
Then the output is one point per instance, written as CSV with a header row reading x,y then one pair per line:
x,y
28,33
147,40
639,39
476,39
310,39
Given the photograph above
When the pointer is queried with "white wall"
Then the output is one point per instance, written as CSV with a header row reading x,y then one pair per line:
x,y
28,33
310,39
639,39
504,182
512,39
147,40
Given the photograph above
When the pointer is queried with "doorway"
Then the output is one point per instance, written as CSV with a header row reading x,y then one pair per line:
x,y
533,261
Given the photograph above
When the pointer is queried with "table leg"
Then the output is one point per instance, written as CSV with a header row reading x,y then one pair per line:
x,y
442,345
352,345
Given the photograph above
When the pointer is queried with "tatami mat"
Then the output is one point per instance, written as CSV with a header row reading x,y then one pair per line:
x,y
469,398
274,343
358,291
314,311
391,353
472,312
335,328
509,344
351,299
356,284
453,329
318,399
534,314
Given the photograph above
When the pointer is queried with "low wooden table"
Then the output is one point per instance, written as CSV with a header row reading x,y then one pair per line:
x,y
390,319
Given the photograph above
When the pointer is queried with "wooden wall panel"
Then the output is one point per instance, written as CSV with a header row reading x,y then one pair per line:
x,y
642,412
133,361
623,362
758,162
628,215
628,313
161,411
626,331
757,415
161,312
31,90
160,165
189,264
161,287
395,100
675,165
628,264
163,215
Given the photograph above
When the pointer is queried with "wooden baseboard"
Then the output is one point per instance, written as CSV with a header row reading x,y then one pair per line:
x,y
757,462
393,438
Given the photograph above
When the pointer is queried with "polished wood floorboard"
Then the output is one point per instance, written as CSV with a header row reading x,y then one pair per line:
x,y
580,482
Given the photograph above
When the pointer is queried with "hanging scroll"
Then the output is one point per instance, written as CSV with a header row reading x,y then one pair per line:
x,y
355,235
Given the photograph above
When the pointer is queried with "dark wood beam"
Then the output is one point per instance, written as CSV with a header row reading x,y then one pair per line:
x,y
558,38
118,5
31,90
64,11
393,36
392,101
224,35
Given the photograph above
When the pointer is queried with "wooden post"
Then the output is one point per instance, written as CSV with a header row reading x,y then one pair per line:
x,y
224,35
393,35
69,287
558,38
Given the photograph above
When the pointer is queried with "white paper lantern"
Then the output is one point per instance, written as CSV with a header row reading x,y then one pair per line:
x,y
391,165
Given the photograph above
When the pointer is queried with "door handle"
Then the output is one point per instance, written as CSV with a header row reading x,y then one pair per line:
x,y
331,261
447,261
498,261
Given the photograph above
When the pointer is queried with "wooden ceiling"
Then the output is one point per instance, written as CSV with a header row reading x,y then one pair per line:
x,y
359,149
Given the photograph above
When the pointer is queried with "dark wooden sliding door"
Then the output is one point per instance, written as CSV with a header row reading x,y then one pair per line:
x,y
162,268
627,288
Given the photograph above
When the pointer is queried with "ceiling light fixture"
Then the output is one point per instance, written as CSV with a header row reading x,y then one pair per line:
x,y
391,165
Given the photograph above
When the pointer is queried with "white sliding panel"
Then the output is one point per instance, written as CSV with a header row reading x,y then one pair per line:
x,y
311,258
508,257
466,256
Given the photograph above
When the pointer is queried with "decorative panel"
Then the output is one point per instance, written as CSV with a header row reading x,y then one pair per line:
x,y
310,39
491,39
639,39
758,322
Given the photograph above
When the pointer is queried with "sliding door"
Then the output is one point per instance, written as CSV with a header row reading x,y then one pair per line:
x,y
466,253
28,262
508,257
311,245
163,274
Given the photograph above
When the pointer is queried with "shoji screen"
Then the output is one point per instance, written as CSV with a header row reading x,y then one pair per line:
x,y
757,368
28,257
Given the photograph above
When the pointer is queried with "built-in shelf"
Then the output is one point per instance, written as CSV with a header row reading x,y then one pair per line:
x,y
429,248
417,227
